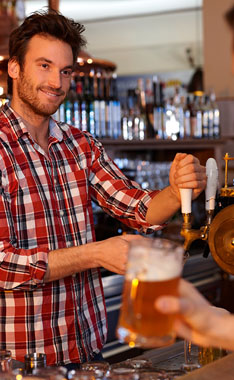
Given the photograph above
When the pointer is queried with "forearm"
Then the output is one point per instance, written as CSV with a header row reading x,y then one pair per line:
x,y
68,261
162,207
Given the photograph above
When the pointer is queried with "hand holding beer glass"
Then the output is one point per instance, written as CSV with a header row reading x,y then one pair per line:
x,y
154,269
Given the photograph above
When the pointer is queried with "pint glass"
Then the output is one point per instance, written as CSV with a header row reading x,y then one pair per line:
x,y
154,269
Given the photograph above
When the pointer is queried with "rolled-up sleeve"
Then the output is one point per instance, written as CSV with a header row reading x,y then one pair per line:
x,y
22,269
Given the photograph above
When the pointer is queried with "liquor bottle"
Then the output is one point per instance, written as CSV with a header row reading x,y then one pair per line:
x,y
198,115
205,117
179,115
108,121
115,109
89,100
216,116
68,103
83,114
61,113
130,116
149,108
102,106
34,361
139,123
76,107
77,103
158,108
96,106
187,116
124,123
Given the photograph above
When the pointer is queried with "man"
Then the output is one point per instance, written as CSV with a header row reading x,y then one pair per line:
x,y
51,291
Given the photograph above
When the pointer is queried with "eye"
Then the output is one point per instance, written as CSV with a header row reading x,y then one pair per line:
x,y
67,72
44,65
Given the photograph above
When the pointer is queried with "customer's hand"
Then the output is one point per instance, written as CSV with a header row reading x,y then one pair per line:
x,y
197,320
186,172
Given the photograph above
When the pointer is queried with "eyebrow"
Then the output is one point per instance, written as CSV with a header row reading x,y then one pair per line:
x,y
49,61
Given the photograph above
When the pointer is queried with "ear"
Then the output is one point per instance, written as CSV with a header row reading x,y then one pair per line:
x,y
13,68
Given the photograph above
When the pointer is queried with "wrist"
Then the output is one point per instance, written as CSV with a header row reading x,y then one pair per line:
x,y
174,196
87,256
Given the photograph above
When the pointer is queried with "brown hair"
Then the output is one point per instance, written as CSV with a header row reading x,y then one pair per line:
x,y
50,23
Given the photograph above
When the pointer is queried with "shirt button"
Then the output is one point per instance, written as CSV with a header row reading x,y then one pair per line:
x,y
61,212
55,181
74,275
69,243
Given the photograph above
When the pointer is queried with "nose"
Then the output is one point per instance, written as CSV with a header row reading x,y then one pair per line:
x,y
54,79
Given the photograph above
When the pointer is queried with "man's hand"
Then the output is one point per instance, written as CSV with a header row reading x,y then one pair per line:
x,y
112,253
186,172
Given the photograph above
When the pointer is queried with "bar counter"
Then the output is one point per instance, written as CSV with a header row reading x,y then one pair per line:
x,y
172,357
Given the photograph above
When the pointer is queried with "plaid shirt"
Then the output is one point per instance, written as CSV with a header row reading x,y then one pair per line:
x,y
45,204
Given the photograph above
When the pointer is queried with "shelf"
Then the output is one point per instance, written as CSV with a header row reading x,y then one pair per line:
x,y
152,144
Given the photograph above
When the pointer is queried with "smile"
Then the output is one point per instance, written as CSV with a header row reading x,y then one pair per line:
x,y
52,94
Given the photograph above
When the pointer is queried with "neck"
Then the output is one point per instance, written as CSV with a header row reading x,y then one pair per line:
x,y
37,125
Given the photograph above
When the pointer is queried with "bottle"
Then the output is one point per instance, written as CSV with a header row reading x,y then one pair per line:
x,y
149,108
34,361
76,107
102,106
198,115
5,361
205,118
68,103
216,116
83,114
96,106
115,108
108,121
130,116
187,116
158,109
172,126
124,123
139,126
89,100
179,115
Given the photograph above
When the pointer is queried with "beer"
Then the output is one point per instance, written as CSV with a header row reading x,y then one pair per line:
x,y
152,272
210,354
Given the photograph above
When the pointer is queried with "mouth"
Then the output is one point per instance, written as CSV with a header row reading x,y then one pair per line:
x,y
52,94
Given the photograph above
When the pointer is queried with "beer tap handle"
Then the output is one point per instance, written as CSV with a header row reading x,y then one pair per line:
x,y
212,184
186,200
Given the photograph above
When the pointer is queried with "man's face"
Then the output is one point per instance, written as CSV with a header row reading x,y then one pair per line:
x,y
44,80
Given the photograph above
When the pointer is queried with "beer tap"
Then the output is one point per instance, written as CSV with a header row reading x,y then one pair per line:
x,y
187,232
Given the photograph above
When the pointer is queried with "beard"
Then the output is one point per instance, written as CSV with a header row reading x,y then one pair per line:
x,y
28,94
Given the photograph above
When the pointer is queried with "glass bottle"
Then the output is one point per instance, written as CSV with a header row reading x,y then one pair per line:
x,y
33,361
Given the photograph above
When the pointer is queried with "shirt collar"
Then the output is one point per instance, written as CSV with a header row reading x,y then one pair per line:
x,y
19,124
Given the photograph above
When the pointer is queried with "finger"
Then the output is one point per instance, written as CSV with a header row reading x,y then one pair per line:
x,y
186,159
170,305
179,156
183,330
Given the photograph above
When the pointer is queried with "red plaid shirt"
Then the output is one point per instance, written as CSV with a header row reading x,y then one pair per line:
x,y
45,204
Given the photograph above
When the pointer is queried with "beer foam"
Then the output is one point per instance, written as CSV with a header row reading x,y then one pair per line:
x,y
155,264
